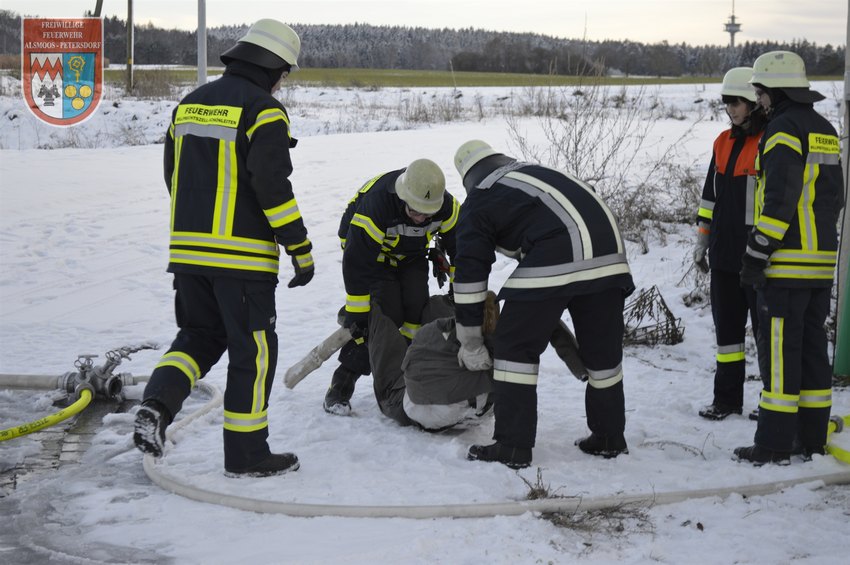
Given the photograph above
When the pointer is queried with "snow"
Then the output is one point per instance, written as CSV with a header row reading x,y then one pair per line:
x,y
82,270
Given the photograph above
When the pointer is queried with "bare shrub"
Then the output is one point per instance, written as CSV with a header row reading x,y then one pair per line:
x,y
619,519
602,137
155,84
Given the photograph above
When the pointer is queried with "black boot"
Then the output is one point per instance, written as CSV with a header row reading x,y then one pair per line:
x,y
513,457
758,456
805,452
149,433
339,393
604,445
718,412
274,464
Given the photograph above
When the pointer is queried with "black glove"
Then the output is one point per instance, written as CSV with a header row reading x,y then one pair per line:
x,y
304,269
759,249
359,332
358,324
440,265
752,272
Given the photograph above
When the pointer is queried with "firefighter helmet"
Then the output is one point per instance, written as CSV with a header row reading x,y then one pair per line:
x,y
268,43
736,83
780,69
470,153
421,186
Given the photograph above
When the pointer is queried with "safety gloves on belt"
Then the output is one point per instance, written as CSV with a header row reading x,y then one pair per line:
x,y
473,355
304,269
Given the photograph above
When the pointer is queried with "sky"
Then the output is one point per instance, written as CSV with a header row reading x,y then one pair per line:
x,y
83,255
696,22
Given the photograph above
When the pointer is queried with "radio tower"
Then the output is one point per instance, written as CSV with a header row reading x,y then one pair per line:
x,y
732,26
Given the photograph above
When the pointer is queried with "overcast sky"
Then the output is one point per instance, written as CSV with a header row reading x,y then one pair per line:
x,y
696,22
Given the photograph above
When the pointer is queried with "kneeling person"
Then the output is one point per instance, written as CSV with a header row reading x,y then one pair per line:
x,y
423,384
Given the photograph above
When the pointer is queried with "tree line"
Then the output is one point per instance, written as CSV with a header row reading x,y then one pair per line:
x,y
468,49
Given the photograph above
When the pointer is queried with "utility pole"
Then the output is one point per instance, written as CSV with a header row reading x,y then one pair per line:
x,y
129,46
841,361
202,42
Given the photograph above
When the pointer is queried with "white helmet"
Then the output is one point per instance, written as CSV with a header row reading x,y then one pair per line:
x,y
268,43
736,83
780,69
470,153
421,186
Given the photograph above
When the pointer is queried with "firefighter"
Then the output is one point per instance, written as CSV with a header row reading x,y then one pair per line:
x,y
385,233
790,260
227,165
726,214
571,256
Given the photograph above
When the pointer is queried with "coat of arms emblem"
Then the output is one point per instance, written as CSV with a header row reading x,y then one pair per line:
x,y
62,68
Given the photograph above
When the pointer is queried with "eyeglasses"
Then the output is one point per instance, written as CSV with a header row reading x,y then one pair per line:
x,y
418,217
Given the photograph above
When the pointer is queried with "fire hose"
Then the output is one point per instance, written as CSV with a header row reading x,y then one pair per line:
x,y
85,384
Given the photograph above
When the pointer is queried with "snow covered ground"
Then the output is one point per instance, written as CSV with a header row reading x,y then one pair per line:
x,y
83,249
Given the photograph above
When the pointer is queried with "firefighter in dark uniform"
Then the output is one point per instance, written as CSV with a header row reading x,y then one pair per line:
x,y
726,214
571,256
385,233
790,259
227,165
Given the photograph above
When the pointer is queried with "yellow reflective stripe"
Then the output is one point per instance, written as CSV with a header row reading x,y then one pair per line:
x,y
296,246
184,362
782,138
409,329
304,260
805,211
777,402
365,188
730,353
706,209
452,221
178,149
513,372
225,196
366,223
222,116
232,243
816,398
357,303
267,117
239,422
799,272
772,227
776,360
730,357
223,261
261,362
284,214
808,256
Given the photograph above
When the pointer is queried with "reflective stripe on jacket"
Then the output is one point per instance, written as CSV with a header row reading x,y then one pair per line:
x,y
799,194
226,167
727,209
564,236
377,234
